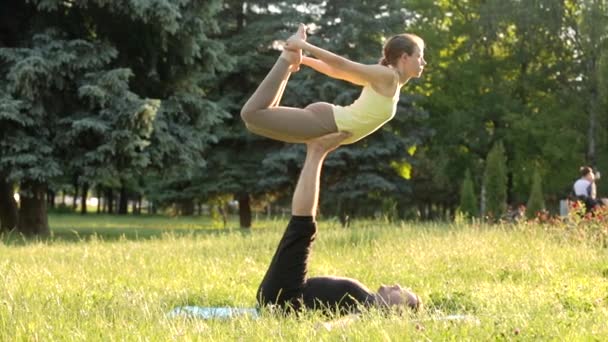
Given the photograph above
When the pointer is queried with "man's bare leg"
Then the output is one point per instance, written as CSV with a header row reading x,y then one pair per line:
x,y
306,195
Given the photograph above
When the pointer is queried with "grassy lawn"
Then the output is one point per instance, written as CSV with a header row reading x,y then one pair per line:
x,y
111,278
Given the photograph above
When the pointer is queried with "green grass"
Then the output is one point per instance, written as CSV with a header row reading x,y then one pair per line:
x,y
95,280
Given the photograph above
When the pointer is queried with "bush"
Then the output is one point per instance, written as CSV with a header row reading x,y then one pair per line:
x,y
495,182
468,200
536,202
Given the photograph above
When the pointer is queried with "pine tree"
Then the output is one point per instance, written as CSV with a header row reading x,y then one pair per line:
x,y
536,202
51,65
468,200
103,93
495,180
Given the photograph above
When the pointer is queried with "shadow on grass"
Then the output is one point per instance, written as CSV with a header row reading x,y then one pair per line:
x,y
76,235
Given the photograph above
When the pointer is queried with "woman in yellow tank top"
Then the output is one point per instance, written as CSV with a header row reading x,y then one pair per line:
x,y
403,59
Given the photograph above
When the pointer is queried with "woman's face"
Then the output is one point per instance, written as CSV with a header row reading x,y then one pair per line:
x,y
413,65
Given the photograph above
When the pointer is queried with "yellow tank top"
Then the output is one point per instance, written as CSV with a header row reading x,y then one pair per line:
x,y
368,113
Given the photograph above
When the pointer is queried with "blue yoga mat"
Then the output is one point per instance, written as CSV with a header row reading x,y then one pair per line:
x,y
212,312
201,312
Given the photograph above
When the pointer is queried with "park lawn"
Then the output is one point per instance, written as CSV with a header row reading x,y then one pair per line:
x,y
511,282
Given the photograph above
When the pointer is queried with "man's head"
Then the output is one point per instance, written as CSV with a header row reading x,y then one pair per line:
x,y
396,296
587,173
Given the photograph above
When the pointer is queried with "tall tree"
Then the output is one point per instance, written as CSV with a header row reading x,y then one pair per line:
x,y
513,75
495,183
102,127
8,207
35,75
468,200
536,202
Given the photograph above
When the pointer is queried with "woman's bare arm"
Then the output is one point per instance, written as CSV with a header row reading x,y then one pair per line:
x,y
344,68
339,323
326,69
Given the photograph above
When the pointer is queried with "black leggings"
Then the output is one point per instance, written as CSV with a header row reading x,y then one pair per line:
x,y
285,279
590,203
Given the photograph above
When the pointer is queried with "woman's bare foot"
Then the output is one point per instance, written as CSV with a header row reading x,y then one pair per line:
x,y
328,142
295,61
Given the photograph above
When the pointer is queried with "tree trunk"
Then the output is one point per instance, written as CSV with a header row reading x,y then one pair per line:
x,y
482,202
75,197
222,208
33,218
593,109
99,199
186,207
134,207
9,213
50,199
593,58
343,214
110,201
123,201
151,208
83,202
244,210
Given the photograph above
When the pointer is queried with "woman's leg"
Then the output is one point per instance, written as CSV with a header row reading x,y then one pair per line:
x,y
263,116
270,91
267,92
294,125
279,95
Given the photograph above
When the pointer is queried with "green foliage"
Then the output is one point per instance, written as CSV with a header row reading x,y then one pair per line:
x,y
146,95
468,200
34,76
536,202
84,88
495,182
507,65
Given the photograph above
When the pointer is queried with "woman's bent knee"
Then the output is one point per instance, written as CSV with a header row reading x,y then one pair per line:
x,y
246,115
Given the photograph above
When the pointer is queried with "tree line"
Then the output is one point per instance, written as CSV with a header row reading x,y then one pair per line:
x,y
141,99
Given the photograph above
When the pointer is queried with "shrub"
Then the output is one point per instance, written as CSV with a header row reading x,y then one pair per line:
x,y
536,202
495,182
468,200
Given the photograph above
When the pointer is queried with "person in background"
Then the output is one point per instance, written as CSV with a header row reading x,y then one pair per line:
x,y
585,189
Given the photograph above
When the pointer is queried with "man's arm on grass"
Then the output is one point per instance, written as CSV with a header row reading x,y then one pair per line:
x,y
338,323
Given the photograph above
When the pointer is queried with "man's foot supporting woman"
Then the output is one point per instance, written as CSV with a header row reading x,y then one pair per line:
x,y
306,195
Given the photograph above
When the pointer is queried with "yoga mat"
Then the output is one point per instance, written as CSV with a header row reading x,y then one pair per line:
x,y
212,312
